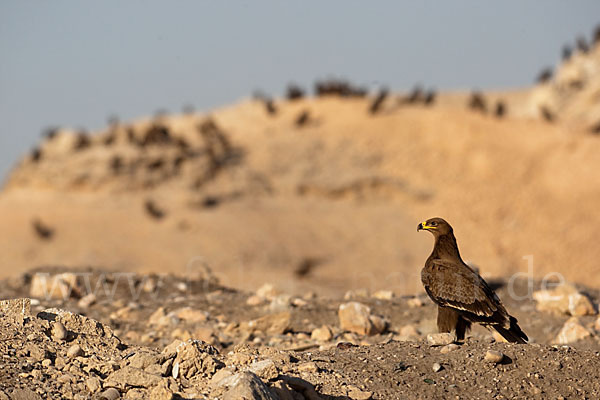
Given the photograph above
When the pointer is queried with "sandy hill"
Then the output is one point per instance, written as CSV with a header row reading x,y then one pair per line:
x,y
321,194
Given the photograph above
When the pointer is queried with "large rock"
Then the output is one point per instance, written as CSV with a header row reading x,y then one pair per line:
x,y
571,332
247,385
356,317
193,357
265,369
564,299
275,324
58,287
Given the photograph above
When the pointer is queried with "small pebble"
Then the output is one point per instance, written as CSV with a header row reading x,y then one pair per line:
x,y
92,384
448,348
494,356
308,367
87,300
415,302
440,339
356,393
59,332
436,367
74,351
59,363
254,300
322,334
110,394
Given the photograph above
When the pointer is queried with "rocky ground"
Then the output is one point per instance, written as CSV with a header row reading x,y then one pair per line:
x,y
97,334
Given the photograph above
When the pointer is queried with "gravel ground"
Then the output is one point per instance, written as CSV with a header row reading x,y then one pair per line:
x,y
167,337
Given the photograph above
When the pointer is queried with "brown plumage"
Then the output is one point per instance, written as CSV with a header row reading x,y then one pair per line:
x,y
462,296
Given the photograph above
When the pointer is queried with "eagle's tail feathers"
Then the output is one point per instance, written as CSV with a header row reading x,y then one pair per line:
x,y
514,334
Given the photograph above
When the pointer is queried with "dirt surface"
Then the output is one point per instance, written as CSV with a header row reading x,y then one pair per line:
x,y
135,329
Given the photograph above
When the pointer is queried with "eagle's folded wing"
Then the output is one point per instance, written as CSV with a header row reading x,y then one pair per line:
x,y
457,286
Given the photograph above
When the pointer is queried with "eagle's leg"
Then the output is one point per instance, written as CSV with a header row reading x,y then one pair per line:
x,y
449,320
462,326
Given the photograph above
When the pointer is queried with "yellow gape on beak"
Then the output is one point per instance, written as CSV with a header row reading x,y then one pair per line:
x,y
424,226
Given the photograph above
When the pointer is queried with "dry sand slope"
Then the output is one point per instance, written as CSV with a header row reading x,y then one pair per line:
x,y
330,204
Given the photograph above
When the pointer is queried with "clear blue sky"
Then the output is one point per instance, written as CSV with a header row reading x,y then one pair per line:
x,y
73,63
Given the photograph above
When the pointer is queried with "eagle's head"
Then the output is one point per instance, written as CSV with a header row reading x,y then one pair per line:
x,y
437,226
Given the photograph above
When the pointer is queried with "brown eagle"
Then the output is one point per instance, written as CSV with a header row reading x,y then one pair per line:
x,y
462,296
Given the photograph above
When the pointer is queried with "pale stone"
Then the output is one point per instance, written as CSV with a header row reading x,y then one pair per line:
x,y
308,367
384,295
272,323
247,385
92,384
267,291
181,334
357,394
58,331
220,376
265,369
564,299
149,284
415,302
448,348
110,394
356,317
255,300
282,302
192,315
322,334
74,351
440,339
379,323
87,300
160,318
59,287
356,294
572,331
298,302
494,356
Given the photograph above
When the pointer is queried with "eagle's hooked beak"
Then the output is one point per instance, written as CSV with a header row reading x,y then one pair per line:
x,y
424,227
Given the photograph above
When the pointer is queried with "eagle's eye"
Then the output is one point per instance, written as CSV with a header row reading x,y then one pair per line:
x,y
433,223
